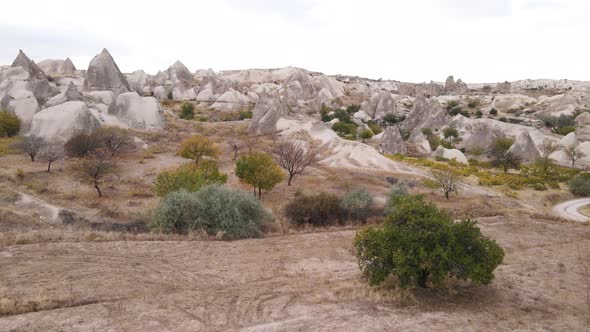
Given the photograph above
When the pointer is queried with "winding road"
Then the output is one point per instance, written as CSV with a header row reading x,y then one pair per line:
x,y
570,210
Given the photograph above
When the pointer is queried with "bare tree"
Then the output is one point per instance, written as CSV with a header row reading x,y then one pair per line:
x,y
93,168
574,154
116,140
448,181
50,154
294,157
235,146
548,148
30,145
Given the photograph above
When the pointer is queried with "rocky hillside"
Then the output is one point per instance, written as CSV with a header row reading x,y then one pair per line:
x,y
55,100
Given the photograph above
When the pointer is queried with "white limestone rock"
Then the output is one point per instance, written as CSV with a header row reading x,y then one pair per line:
x,y
450,154
58,67
139,112
62,122
525,148
392,141
266,115
104,74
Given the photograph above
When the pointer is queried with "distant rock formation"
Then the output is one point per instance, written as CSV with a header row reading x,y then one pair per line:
x,y
139,112
450,154
58,67
524,148
583,127
266,115
457,88
392,141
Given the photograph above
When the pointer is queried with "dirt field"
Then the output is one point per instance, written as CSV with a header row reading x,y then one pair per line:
x,y
90,276
294,282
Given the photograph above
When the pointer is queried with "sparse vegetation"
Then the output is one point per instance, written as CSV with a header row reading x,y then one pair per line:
x,y
93,169
345,130
321,209
501,155
562,125
115,140
83,144
419,243
579,185
51,153
357,204
574,154
449,181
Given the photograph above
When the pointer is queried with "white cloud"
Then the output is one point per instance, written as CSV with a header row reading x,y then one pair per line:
x,y
419,40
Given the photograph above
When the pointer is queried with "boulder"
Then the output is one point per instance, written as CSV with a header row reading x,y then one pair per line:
x,y
58,67
71,94
266,115
206,96
524,147
62,122
583,127
392,141
160,93
512,102
183,92
138,80
230,101
301,84
104,74
426,114
569,140
22,60
178,72
483,139
139,112
450,154
420,142
362,116
22,103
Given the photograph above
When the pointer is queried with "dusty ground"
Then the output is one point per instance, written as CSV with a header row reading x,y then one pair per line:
x,y
294,282
56,277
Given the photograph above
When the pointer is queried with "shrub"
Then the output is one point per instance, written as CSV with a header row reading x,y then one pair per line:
x,y
321,209
218,210
345,130
562,125
580,185
351,109
375,127
367,134
478,114
187,111
259,170
197,147
9,124
392,118
493,112
396,193
357,204
419,242
503,119
246,115
82,145
29,145
189,177
115,140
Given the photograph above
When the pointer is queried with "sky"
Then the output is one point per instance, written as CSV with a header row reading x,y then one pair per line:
x,y
479,41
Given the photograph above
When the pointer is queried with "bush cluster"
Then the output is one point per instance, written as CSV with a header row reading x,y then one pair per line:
x,y
217,210
190,177
9,124
419,242
187,111
579,185
326,209
562,125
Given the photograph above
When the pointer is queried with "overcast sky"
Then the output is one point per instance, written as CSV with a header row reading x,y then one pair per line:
x,y
414,41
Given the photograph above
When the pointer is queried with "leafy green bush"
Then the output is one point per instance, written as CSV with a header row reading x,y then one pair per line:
x,y
214,209
392,118
259,170
367,134
357,204
493,112
478,114
396,193
189,177
419,242
321,209
187,111
345,130
246,115
562,125
351,109
580,185
9,124
375,127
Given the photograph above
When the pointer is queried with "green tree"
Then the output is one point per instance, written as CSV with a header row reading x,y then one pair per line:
x,y
451,135
259,170
189,177
187,111
448,181
9,124
502,157
420,242
197,147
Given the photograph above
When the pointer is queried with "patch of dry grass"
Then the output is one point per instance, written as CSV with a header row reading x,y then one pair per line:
x,y
17,305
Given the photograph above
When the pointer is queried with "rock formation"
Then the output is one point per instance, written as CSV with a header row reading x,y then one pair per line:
x,y
392,141
450,154
139,112
104,74
266,115
61,122
524,148
58,67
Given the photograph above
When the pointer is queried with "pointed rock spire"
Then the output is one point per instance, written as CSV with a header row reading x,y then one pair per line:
x,y
29,65
104,74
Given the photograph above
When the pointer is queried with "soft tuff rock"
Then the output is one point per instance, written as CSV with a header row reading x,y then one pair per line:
x,y
58,67
61,122
139,112
392,141
524,147
266,115
104,74
583,127
450,154
483,140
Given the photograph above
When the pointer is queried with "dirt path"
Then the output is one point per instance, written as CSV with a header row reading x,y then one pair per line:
x,y
570,210
295,282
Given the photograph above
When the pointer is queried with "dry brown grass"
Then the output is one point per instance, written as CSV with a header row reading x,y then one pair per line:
x,y
16,306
